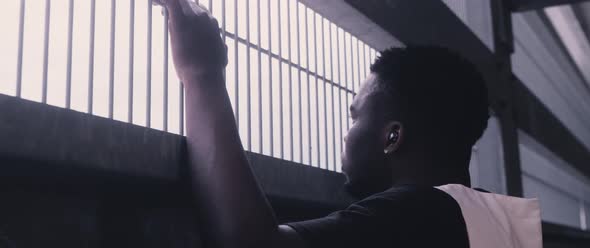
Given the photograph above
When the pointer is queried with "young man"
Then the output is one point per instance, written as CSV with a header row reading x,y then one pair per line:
x,y
407,154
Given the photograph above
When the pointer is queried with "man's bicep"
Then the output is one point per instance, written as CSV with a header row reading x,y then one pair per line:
x,y
289,238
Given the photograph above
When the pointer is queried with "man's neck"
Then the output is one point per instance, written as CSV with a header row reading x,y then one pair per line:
x,y
432,181
433,171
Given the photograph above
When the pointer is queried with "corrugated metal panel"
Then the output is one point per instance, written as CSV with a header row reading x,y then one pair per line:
x,y
560,188
556,207
543,67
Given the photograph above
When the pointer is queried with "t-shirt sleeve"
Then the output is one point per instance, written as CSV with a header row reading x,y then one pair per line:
x,y
371,222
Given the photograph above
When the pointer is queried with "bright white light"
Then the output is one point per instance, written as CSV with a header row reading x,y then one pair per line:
x,y
315,136
571,33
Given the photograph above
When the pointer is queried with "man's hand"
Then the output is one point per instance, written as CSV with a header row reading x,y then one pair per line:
x,y
197,47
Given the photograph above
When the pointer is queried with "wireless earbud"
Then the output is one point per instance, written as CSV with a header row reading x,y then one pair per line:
x,y
393,137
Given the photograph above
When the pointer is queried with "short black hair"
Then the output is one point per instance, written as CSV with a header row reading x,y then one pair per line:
x,y
436,86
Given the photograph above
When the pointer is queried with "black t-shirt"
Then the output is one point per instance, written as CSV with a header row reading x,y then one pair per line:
x,y
404,216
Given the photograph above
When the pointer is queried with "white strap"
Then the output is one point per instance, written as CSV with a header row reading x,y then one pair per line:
x,y
495,220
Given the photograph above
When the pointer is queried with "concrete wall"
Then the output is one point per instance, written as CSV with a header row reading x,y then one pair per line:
x,y
74,180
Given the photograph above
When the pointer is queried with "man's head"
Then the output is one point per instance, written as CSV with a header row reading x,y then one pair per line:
x,y
415,119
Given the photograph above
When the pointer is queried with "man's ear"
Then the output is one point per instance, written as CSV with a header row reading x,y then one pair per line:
x,y
393,136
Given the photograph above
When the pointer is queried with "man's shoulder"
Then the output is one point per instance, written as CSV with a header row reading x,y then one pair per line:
x,y
410,193
407,200
399,216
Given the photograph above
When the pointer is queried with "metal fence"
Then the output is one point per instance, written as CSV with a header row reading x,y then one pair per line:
x,y
291,73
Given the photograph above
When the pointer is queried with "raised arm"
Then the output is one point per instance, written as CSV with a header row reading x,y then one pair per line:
x,y
233,206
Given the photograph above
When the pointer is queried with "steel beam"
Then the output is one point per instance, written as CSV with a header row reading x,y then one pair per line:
x,y
526,5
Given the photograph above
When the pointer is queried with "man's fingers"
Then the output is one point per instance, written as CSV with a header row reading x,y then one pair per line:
x,y
175,14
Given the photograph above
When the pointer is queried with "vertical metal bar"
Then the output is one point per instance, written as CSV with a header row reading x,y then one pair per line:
x,y
317,113
131,54
260,126
91,57
346,80
165,70
325,96
362,66
368,61
281,86
325,101
270,79
236,63
353,72
211,6
223,34
46,49
350,81
298,78
308,87
21,31
248,94
112,59
148,76
181,108
365,64
358,63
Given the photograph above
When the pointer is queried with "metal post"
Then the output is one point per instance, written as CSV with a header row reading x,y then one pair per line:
x,y
363,66
236,63
290,73
346,79
91,57
270,80
345,82
223,21
260,120
112,59
332,76
358,63
308,87
46,49
131,54
298,78
316,85
332,96
367,63
503,48
165,70
19,64
248,94
148,110
280,85
181,110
